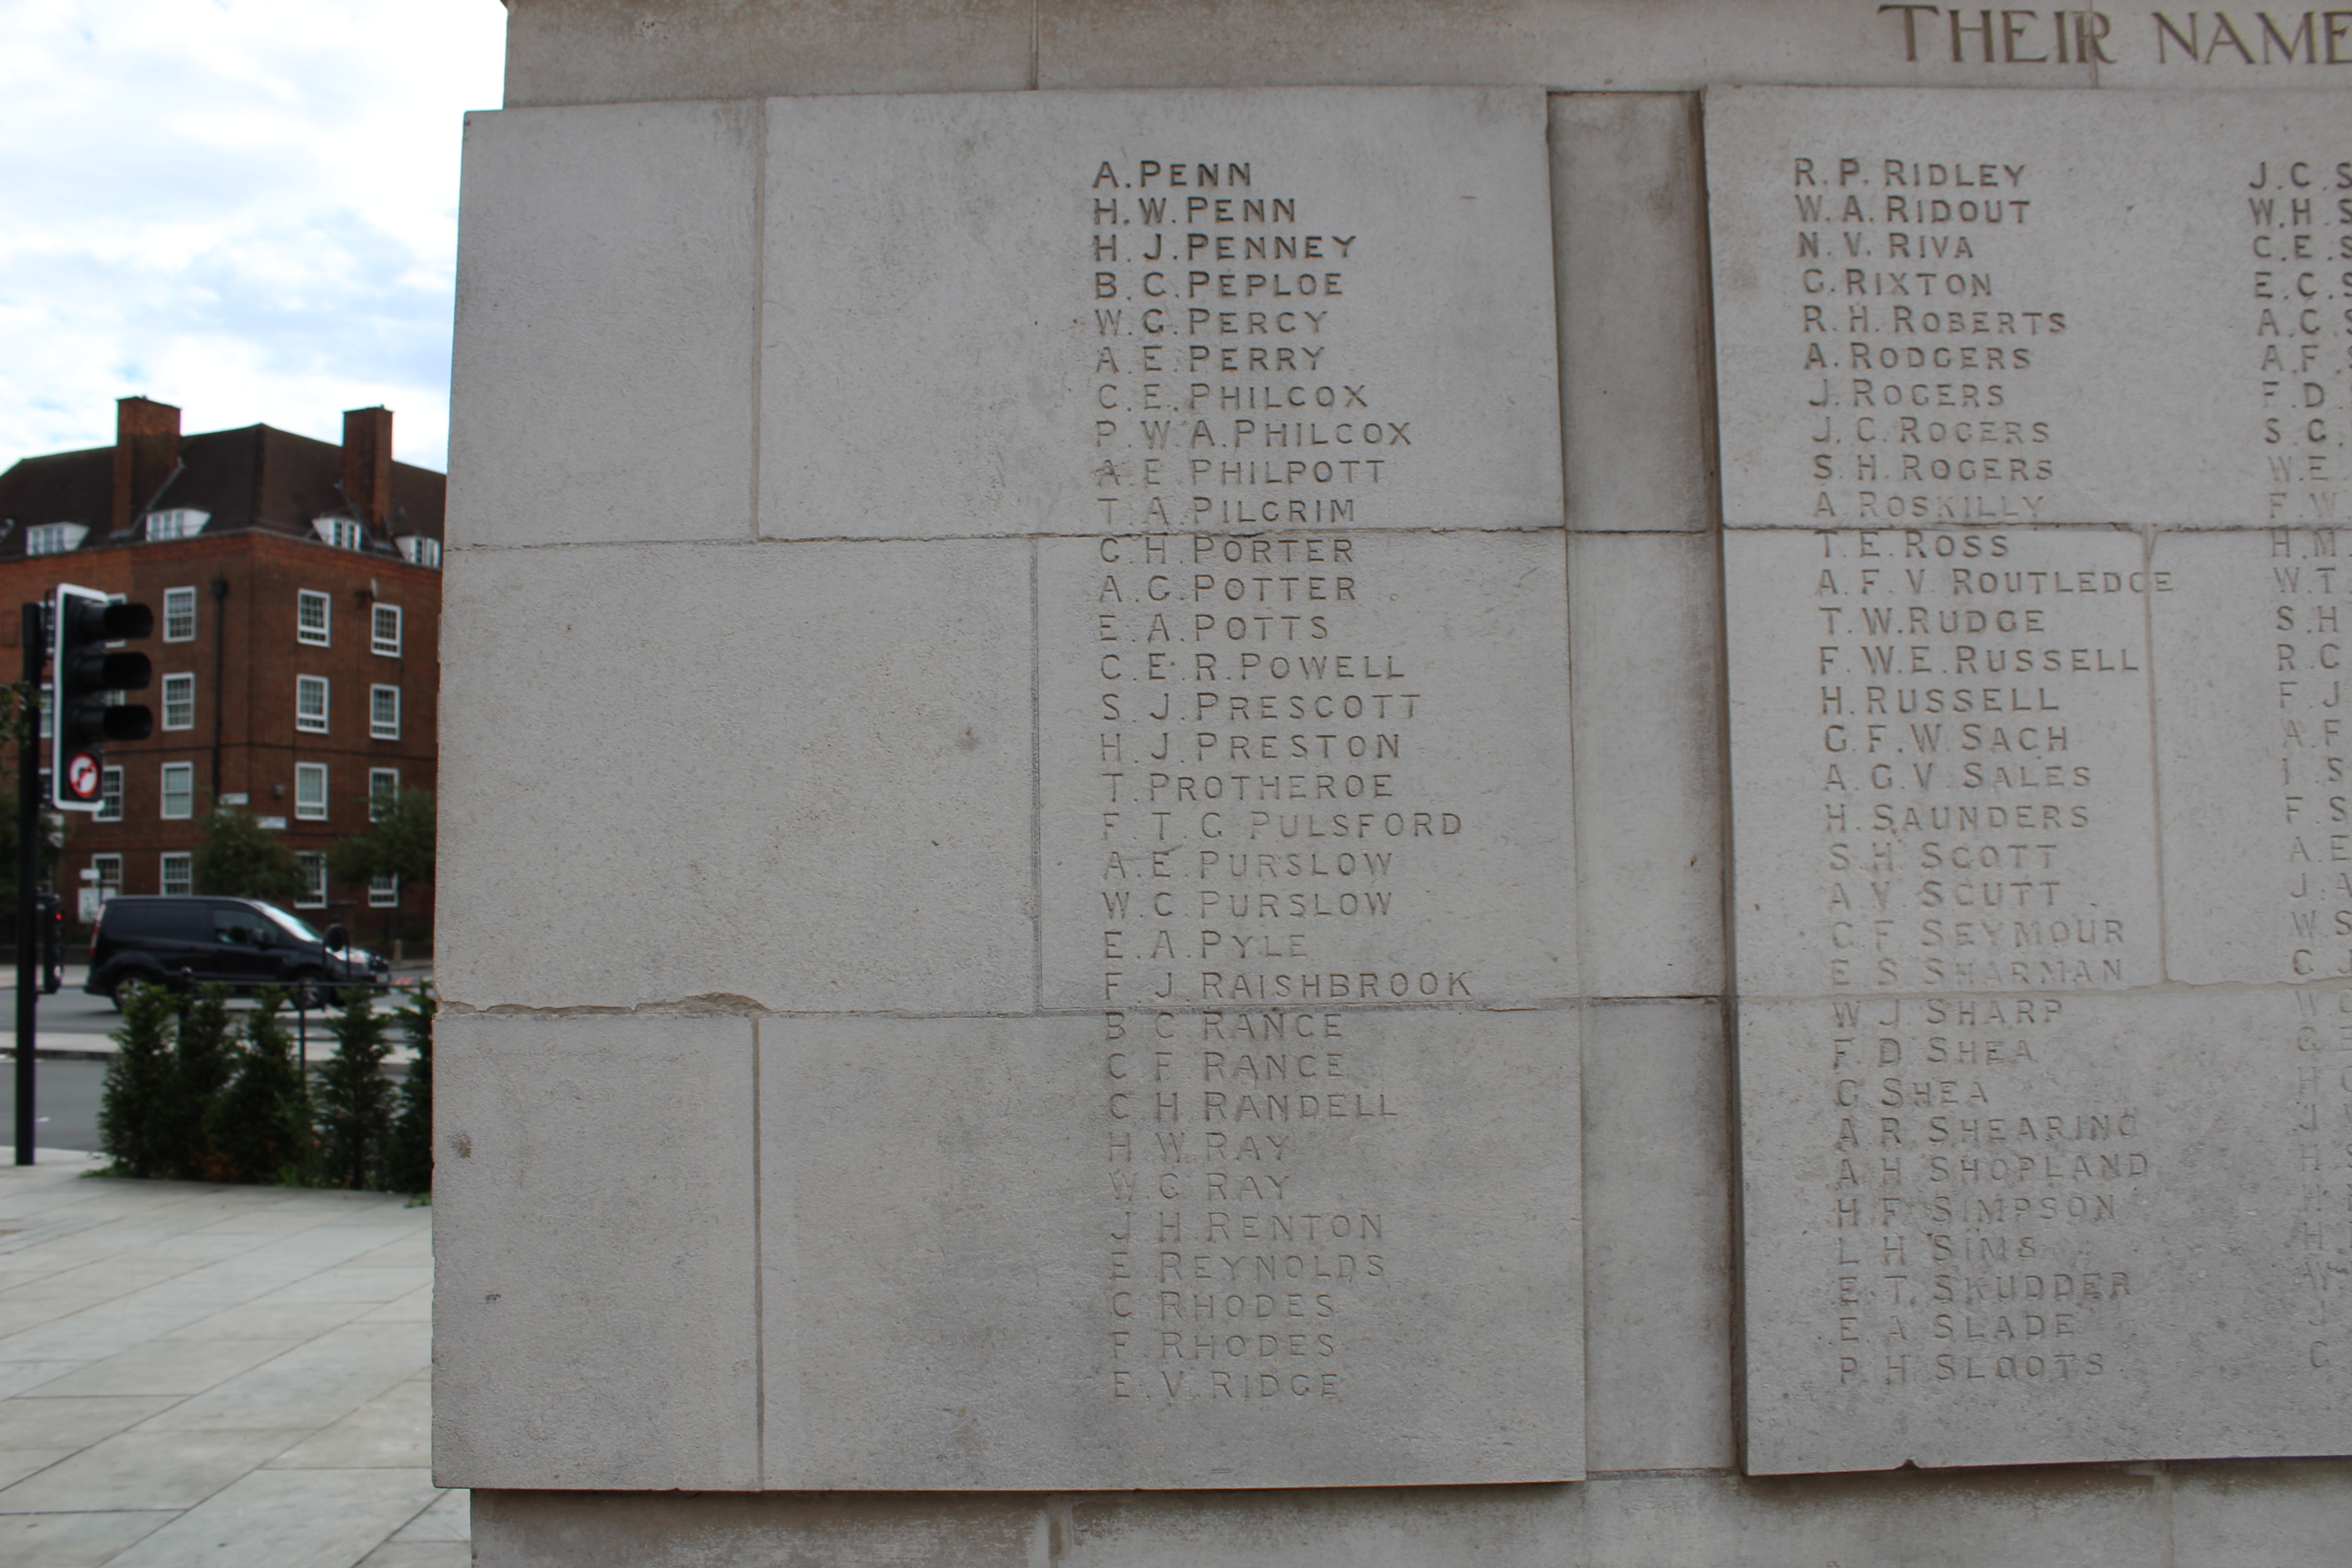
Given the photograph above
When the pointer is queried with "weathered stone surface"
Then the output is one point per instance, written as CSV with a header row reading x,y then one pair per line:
x,y
601,388
600,51
623,1141
2246,1515
1119,1250
1305,769
717,1530
1630,232
2250,734
817,796
1658,1173
1940,760
1143,311
1935,309
1643,621
2018,1229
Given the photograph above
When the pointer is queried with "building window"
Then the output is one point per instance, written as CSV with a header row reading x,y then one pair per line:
x,y
384,631
313,895
110,795
179,878
311,792
179,702
342,532
383,712
383,892
310,614
422,549
179,791
55,537
179,615
176,522
109,874
310,702
48,701
384,789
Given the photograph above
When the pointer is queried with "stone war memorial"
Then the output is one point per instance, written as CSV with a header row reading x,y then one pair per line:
x,y
1553,782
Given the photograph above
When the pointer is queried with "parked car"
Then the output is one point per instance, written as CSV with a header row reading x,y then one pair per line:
x,y
245,942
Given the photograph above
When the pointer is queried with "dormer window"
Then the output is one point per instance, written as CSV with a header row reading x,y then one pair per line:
x,y
176,522
420,548
55,537
342,532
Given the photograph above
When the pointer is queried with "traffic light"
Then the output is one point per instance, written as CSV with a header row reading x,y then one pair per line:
x,y
84,677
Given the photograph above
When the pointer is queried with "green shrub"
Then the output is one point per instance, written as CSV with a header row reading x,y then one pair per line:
x,y
353,1097
204,1060
409,1167
260,1125
135,1117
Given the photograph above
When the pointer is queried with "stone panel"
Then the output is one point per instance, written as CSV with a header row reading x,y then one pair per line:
x,y
627,1142
1644,626
1172,1250
712,1530
1305,769
1940,760
817,796
2249,1515
1658,1237
1936,308
1137,312
604,51
601,388
2041,1229
1629,231
2250,743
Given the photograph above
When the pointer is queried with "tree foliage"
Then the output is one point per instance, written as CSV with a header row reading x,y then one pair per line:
x,y
261,1124
135,1114
409,1167
351,1096
239,858
399,843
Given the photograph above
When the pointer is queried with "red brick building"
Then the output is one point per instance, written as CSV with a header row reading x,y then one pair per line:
x,y
297,591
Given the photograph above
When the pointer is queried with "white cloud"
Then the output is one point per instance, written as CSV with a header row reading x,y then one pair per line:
x,y
246,207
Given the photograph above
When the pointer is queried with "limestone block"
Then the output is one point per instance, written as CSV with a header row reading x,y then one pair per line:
x,y
2244,1515
1940,760
2042,1230
607,51
1087,312
601,388
1586,45
2250,736
1306,769
593,1318
1636,388
1645,629
1171,1249
1450,1527
751,1529
796,773
1936,309
1657,1248
2105,1517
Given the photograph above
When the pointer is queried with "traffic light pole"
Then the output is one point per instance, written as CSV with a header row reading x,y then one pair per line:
x,y
29,865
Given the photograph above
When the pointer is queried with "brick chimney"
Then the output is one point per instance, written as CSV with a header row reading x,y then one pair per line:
x,y
146,451
367,463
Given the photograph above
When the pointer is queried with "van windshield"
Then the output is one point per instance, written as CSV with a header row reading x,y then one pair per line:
x,y
294,925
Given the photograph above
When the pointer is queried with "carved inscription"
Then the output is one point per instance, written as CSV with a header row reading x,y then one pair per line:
x,y
1942,753
1280,766
2024,1182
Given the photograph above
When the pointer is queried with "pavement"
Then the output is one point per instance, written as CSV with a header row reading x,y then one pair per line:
x,y
204,1375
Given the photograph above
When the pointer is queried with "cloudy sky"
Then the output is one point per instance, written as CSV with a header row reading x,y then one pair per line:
x,y
246,207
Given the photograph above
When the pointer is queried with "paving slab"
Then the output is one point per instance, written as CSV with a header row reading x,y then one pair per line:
x,y
193,1375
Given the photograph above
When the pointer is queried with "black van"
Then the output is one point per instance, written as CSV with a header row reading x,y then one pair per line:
x,y
245,942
